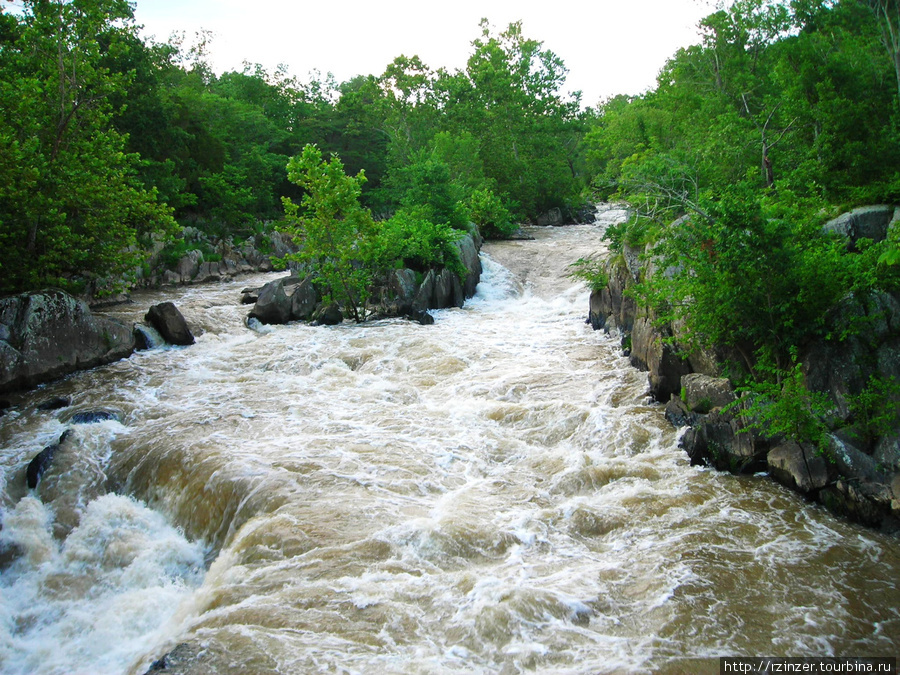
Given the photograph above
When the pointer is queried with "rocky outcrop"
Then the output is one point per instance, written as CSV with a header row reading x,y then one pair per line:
x,y
855,476
213,260
47,334
170,323
295,298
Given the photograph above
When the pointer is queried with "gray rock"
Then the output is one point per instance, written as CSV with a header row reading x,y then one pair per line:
x,y
443,290
52,334
679,415
273,304
797,467
421,317
95,416
850,461
869,222
468,254
553,217
329,316
423,299
704,393
887,454
170,323
188,266
304,299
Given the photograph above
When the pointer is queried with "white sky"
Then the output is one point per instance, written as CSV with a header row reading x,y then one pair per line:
x,y
609,46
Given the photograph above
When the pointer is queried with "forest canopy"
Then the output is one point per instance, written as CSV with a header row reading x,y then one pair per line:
x,y
110,142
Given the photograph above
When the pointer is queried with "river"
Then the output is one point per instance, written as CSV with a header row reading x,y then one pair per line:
x,y
491,494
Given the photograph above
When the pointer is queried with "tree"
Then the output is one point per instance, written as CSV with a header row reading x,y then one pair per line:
x,y
334,232
71,208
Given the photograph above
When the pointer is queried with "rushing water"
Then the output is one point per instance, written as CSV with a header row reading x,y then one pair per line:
x,y
490,494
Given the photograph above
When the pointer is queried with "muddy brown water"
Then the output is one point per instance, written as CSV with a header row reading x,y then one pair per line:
x,y
491,494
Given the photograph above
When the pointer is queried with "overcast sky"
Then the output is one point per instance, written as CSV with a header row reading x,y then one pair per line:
x,y
609,46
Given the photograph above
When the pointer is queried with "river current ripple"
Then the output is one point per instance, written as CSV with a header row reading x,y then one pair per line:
x,y
490,494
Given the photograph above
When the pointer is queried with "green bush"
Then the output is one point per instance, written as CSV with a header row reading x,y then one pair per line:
x,y
490,214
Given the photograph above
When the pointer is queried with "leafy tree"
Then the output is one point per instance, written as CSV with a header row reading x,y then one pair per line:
x,y
70,206
333,230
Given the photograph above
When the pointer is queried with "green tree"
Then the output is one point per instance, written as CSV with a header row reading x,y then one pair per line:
x,y
334,232
71,208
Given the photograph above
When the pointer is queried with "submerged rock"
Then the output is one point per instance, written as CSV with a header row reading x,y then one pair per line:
x,y
95,416
38,465
55,403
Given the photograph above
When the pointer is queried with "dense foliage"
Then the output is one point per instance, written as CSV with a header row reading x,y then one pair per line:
x,y
786,114
106,138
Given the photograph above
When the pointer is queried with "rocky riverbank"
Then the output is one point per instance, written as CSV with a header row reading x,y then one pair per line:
x,y
857,475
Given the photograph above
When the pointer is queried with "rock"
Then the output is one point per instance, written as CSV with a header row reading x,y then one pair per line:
x,y
468,254
329,316
147,337
704,393
273,305
443,290
207,271
38,465
423,299
870,222
866,503
797,467
651,351
52,334
188,266
679,415
166,318
304,300
95,416
850,461
176,661
55,403
887,454
4,406
553,217
421,317
723,441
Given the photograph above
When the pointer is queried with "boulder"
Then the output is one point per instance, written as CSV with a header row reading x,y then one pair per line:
x,y
850,461
679,415
304,299
652,351
423,299
723,441
553,217
887,454
704,393
188,266
468,254
38,465
798,467
166,318
51,334
273,304
443,296
330,315
870,222
421,317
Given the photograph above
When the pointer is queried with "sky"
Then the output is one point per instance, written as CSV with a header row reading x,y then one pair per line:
x,y
609,46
